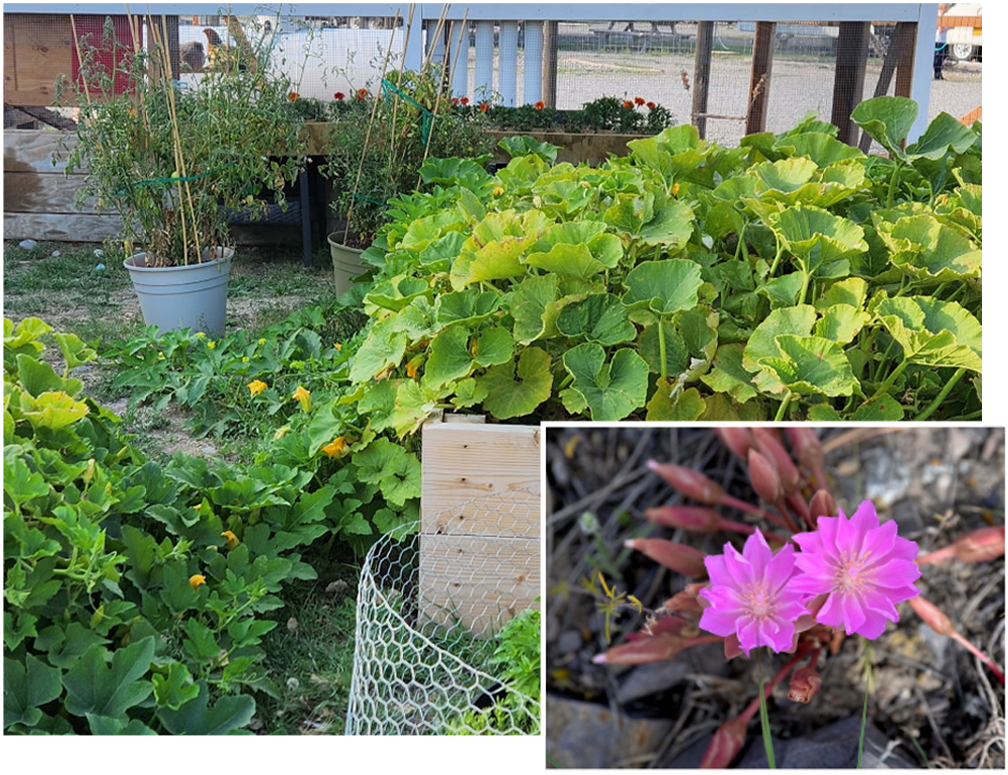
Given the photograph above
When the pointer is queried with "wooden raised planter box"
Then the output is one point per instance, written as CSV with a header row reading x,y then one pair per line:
x,y
480,523
575,147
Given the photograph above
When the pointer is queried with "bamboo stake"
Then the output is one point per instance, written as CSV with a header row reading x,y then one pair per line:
x,y
367,136
437,105
395,99
438,31
80,59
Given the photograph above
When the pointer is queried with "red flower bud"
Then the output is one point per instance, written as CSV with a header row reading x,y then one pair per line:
x,y
695,519
686,601
679,557
774,451
807,448
725,745
805,682
690,483
980,545
822,505
764,477
738,440
643,650
932,616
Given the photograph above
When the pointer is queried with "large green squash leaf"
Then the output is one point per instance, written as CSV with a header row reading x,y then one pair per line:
x,y
610,390
94,687
576,249
26,687
932,332
811,365
598,318
926,249
887,120
196,717
664,287
506,396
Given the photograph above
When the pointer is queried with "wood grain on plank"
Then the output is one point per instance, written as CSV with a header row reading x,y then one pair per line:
x,y
32,150
34,192
38,48
463,464
61,227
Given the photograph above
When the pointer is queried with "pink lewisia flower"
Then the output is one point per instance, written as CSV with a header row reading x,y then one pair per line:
x,y
865,570
751,596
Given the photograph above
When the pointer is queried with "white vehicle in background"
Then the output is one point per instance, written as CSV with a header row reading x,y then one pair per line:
x,y
964,42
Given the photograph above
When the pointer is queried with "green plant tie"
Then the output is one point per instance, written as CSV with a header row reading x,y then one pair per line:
x,y
121,191
426,117
370,200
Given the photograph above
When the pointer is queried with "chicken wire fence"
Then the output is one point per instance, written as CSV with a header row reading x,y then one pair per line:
x,y
429,607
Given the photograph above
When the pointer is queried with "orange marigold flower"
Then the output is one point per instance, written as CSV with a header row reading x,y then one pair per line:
x,y
627,104
484,107
303,397
652,106
256,387
339,95
540,105
362,93
336,447
464,100
231,538
293,96
455,100
197,580
638,100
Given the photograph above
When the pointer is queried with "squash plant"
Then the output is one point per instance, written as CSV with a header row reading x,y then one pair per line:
x,y
136,595
791,278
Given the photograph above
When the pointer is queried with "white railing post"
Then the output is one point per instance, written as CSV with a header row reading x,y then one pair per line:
x,y
920,89
460,59
414,52
484,60
435,43
508,53
533,62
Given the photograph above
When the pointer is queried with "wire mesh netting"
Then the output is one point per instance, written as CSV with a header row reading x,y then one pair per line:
x,y
429,609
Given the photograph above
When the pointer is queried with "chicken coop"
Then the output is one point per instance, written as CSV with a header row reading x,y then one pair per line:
x,y
730,69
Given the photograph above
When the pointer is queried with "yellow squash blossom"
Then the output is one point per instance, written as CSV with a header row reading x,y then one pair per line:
x,y
200,334
303,397
675,189
211,344
231,538
256,387
498,191
336,447
337,345
262,342
197,580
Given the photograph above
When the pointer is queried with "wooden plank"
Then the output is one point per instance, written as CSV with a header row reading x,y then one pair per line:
x,y
481,581
35,192
849,77
701,75
974,115
464,465
61,227
759,81
38,48
905,38
551,37
31,150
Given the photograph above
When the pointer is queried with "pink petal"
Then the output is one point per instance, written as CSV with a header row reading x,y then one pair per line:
x,y
779,569
721,623
811,585
718,573
878,601
894,574
879,542
758,552
830,614
723,598
781,637
748,634
901,594
738,567
808,542
828,535
873,625
815,565
905,550
853,615
864,519
791,610
846,535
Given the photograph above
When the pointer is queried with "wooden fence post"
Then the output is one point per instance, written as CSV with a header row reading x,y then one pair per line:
x,y
849,78
701,75
759,83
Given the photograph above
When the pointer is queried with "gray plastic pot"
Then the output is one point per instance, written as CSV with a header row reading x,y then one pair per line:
x,y
346,264
193,296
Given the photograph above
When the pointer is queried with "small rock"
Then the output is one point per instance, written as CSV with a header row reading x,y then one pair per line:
x,y
208,450
55,254
585,735
99,267
255,724
98,253
292,624
28,244
568,642
336,586
293,684
646,680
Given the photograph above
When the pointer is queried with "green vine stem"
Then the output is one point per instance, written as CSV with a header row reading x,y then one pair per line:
x,y
891,379
941,396
783,407
661,348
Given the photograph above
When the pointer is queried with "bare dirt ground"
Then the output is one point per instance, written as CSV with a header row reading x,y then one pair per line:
x,y
932,704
